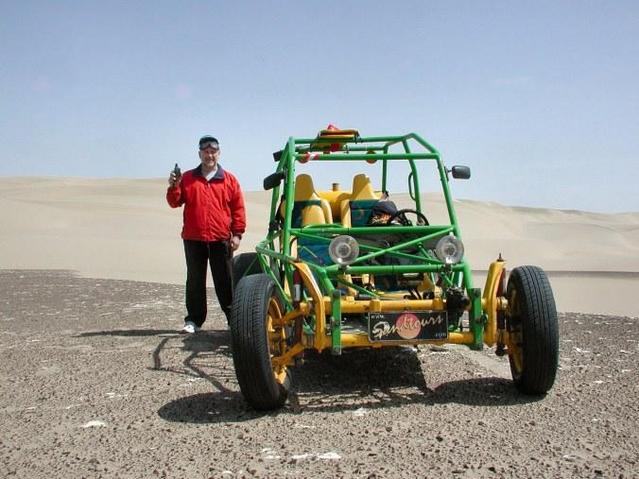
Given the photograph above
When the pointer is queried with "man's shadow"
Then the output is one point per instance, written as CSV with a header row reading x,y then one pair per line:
x,y
222,404
207,350
211,342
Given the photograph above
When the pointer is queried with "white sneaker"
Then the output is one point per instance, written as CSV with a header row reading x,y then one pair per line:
x,y
190,328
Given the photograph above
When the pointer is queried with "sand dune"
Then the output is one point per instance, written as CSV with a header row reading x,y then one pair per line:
x,y
123,229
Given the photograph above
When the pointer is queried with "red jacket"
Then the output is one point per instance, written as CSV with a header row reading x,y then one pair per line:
x,y
213,210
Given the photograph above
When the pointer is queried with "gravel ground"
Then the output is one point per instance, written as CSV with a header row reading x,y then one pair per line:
x,y
96,383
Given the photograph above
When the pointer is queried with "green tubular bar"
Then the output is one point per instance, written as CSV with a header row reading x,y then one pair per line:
x,y
413,169
476,322
288,155
336,322
417,268
399,254
263,252
357,288
364,148
354,231
372,156
385,174
368,139
424,143
406,244
383,251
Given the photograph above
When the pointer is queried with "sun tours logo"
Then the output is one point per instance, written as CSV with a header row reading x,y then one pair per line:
x,y
406,326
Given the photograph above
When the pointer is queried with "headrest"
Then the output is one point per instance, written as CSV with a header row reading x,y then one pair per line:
x,y
362,188
304,189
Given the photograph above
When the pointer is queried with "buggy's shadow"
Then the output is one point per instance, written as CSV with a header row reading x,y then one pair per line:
x,y
369,379
389,377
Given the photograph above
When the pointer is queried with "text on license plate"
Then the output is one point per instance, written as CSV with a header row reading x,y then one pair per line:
x,y
407,325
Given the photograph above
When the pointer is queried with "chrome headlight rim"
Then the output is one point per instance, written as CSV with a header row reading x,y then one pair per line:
x,y
343,250
449,249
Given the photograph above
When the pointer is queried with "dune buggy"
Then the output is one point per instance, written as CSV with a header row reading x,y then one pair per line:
x,y
347,268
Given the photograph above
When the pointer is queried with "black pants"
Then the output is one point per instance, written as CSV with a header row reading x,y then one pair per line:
x,y
218,255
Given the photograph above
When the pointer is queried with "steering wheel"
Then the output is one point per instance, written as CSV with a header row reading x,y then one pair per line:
x,y
400,215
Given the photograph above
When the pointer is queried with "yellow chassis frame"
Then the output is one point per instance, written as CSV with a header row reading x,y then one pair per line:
x,y
320,307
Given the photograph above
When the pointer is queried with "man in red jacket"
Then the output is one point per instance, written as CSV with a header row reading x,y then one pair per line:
x,y
214,221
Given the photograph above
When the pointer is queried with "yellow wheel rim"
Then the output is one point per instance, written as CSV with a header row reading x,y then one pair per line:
x,y
276,335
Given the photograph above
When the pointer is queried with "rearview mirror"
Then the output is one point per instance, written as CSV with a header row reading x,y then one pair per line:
x,y
460,172
274,179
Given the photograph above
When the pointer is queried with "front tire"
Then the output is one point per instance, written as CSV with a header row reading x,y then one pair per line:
x,y
531,321
258,335
244,264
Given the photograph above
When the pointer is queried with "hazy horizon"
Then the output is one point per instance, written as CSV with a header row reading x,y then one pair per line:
x,y
162,180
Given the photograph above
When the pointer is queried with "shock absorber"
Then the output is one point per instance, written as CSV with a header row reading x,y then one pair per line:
x,y
297,288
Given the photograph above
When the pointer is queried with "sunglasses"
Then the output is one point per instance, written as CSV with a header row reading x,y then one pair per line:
x,y
209,144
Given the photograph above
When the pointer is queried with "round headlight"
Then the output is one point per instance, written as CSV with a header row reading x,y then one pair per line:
x,y
343,250
449,249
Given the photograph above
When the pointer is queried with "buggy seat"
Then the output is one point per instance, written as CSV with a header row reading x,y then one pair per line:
x,y
356,210
308,207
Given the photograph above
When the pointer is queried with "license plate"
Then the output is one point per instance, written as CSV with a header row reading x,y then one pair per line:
x,y
408,325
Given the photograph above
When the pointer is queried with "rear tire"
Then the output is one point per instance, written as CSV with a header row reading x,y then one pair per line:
x,y
245,264
257,335
532,324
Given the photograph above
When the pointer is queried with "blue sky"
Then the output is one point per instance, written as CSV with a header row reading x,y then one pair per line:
x,y
540,99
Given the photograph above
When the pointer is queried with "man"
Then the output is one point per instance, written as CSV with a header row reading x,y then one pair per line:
x,y
214,221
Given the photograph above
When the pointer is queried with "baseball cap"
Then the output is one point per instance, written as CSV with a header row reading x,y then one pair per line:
x,y
208,139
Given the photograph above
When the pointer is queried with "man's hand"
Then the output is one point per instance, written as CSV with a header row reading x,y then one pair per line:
x,y
174,179
235,243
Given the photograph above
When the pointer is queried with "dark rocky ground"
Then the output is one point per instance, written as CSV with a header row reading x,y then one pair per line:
x,y
96,383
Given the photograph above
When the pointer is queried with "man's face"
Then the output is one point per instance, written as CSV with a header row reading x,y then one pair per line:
x,y
209,156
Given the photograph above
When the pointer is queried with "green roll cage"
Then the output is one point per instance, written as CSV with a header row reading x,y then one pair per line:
x,y
277,260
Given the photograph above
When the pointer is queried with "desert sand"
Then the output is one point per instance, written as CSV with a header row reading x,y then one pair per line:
x,y
123,229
